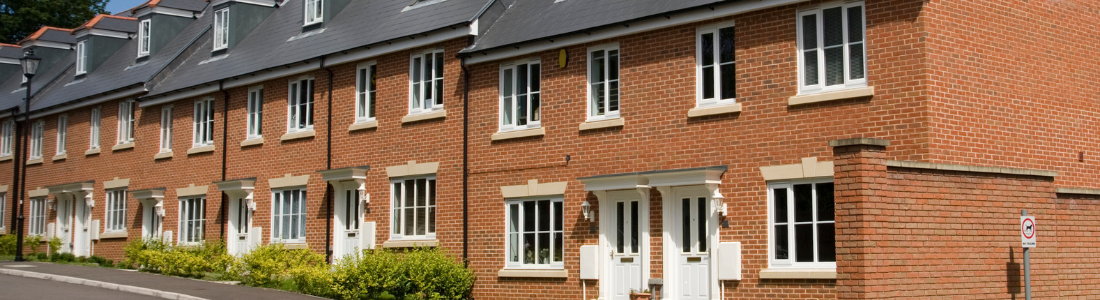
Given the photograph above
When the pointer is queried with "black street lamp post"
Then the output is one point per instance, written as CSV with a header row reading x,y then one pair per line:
x,y
30,67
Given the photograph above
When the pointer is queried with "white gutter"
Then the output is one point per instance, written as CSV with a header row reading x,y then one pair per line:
x,y
97,100
642,26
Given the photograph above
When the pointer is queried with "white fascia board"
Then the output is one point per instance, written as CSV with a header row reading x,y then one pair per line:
x,y
364,53
164,11
244,80
47,44
9,61
181,95
117,95
642,26
266,3
102,32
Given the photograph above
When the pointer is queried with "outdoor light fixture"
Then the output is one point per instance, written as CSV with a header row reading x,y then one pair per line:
x,y
30,63
587,210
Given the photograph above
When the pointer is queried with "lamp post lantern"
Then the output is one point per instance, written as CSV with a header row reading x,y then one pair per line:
x,y
30,68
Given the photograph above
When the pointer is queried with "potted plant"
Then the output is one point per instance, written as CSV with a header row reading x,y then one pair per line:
x,y
640,295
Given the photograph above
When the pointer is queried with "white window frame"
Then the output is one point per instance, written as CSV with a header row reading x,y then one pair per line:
x,y
718,98
37,219
510,103
366,91
62,133
398,209
7,139
202,131
281,212
36,139
221,29
81,58
418,69
166,129
126,122
556,228
3,208
849,82
144,39
188,222
93,134
294,102
791,261
318,15
114,214
591,101
255,113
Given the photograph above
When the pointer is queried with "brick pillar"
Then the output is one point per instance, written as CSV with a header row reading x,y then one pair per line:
x,y
859,175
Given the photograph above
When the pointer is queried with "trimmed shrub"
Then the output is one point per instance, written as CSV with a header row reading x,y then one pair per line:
x,y
432,274
193,261
269,265
54,245
62,257
33,242
7,244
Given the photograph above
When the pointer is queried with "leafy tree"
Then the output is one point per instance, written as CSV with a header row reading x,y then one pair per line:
x,y
21,18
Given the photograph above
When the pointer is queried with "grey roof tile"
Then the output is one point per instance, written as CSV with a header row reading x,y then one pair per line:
x,y
11,95
11,52
121,25
60,36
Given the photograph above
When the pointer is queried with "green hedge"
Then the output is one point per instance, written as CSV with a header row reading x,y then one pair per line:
x,y
194,261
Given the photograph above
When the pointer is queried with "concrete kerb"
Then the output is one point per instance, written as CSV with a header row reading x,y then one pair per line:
x,y
101,284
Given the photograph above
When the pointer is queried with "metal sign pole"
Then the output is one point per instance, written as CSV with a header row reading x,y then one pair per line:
x,y
1027,268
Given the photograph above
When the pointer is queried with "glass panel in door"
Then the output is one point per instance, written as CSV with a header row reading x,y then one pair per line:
x,y
626,259
694,260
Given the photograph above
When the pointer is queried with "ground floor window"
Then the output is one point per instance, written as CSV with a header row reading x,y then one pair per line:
x,y
192,220
289,216
803,226
38,217
116,210
535,235
413,208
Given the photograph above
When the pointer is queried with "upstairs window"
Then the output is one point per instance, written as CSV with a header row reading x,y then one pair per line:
x,y
313,12
413,208
803,231
204,123
221,29
93,135
36,139
831,48
300,109
520,105
143,37
603,82
116,211
126,122
255,112
62,132
7,138
716,72
81,59
365,91
166,129
426,82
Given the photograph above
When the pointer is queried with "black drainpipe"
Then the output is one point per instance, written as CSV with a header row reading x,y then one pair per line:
x,y
225,147
465,163
328,166
15,183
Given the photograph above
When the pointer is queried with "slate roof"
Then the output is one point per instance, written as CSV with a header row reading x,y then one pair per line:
x,y
11,95
52,34
109,22
359,24
191,5
121,70
11,51
529,20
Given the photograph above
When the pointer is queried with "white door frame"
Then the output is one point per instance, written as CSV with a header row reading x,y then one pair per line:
x,y
82,225
64,205
607,223
151,207
233,245
670,195
340,234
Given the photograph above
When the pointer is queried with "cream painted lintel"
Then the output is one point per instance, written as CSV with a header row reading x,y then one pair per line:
x,y
562,273
116,183
534,188
412,169
39,192
192,191
809,168
3,188
288,181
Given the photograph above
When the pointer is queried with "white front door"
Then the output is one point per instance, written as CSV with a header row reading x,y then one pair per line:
x,y
240,221
694,227
348,217
626,249
82,242
150,220
65,224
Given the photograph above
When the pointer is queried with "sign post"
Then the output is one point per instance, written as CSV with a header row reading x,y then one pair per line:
x,y
1027,238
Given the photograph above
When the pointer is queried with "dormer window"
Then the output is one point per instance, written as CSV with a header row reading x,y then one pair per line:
x,y
143,38
81,59
221,29
313,12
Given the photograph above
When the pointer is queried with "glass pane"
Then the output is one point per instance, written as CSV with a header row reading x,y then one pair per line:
x,y
620,235
521,92
685,217
804,242
373,88
726,45
536,108
780,203
803,203
439,65
534,74
559,246
544,215
276,218
528,247
421,215
431,220
634,227
439,91
826,242
855,24
521,110
834,66
431,192
513,218
855,60
558,216
729,81
809,67
708,82
598,95
396,207
410,221
409,196
529,216
706,49
597,67
703,218
427,77
544,248
416,83
613,96
825,208
421,194
513,247
809,32
507,93
613,64
833,26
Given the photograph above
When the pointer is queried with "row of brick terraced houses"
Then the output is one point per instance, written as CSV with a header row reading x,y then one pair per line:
x,y
582,148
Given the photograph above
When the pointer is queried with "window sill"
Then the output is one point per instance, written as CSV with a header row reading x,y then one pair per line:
x,y
125,146
515,134
295,246
438,114
798,274
534,273
252,142
91,152
113,235
298,135
203,149
34,161
6,158
162,155
363,125
60,157
3,230
410,243
714,110
616,122
831,96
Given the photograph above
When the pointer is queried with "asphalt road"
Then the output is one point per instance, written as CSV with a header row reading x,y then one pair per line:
x,y
20,288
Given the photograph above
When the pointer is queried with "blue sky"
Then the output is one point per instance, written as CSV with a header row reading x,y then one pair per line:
x,y
115,6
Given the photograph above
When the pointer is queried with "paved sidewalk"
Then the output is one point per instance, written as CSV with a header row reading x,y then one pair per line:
x,y
184,286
